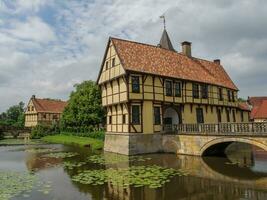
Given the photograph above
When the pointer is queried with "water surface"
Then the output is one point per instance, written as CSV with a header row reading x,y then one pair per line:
x,y
242,174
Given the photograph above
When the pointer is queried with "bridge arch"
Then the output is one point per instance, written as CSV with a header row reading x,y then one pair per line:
x,y
223,142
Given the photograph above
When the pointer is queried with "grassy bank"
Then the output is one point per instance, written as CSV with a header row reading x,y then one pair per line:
x,y
74,140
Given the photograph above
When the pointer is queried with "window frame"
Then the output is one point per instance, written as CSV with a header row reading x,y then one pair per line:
x,y
220,93
195,90
204,91
168,90
200,118
136,121
123,118
106,64
178,93
113,62
229,95
110,119
227,115
137,84
233,96
157,115
233,114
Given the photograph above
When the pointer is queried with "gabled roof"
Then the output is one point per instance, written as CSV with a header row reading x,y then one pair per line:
x,y
151,59
48,105
243,106
260,112
259,107
256,101
165,41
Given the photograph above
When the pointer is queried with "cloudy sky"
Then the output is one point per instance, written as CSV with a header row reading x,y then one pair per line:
x,y
46,46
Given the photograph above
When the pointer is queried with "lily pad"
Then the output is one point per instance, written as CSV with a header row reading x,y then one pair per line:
x,y
136,176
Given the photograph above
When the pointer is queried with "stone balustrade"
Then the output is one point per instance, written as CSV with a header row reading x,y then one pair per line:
x,y
250,128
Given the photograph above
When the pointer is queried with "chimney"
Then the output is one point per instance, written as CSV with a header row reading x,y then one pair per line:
x,y
217,61
186,48
33,96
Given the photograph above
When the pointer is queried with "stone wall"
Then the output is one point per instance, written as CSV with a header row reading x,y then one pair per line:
x,y
132,144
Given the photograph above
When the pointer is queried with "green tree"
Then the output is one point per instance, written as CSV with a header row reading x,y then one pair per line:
x,y
84,107
14,115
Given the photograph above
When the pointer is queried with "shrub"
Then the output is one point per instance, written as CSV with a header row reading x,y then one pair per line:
x,y
44,130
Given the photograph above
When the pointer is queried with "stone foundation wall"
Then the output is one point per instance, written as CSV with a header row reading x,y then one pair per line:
x,y
133,143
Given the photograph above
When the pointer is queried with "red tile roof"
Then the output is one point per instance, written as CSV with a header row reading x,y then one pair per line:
x,y
243,106
256,101
259,110
48,105
155,60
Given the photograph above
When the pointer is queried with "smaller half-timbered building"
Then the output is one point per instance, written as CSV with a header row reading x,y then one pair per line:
x,y
43,111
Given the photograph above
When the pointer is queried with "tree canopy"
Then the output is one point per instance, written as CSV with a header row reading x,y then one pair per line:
x,y
14,115
84,107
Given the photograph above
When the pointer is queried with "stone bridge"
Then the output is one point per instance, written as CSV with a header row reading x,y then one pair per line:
x,y
14,131
212,139
189,139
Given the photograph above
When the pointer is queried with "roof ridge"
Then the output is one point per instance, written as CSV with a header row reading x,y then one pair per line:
x,y
180,53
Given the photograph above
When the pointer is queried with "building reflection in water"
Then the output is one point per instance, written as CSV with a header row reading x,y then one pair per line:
x,y
237,176
231,177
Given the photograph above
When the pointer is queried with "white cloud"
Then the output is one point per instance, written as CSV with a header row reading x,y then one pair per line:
x,y
47,56
33,29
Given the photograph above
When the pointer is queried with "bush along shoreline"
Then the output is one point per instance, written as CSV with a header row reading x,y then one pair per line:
x,y
53,134
93,143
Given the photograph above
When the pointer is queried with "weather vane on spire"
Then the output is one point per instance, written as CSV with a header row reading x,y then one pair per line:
x,y
164,22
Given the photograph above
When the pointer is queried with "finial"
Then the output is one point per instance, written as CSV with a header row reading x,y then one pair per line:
x,y
164,22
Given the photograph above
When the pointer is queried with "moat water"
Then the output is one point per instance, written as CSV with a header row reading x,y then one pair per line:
x,y
242,174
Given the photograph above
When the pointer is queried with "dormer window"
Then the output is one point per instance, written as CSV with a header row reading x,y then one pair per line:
x,y
135,84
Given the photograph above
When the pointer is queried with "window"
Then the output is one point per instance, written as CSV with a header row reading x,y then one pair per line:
x,y
106,65
204,91
233,111
227,115
229,95
135,84
44,116
177,89
135,114
233,96
123,118
168,88
219,115
113,62
220,94
32,108
195,91
200,117
157,120
242,115
110,119
29,108
55,117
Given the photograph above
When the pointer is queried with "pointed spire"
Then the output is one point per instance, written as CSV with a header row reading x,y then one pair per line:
x,y
165,41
